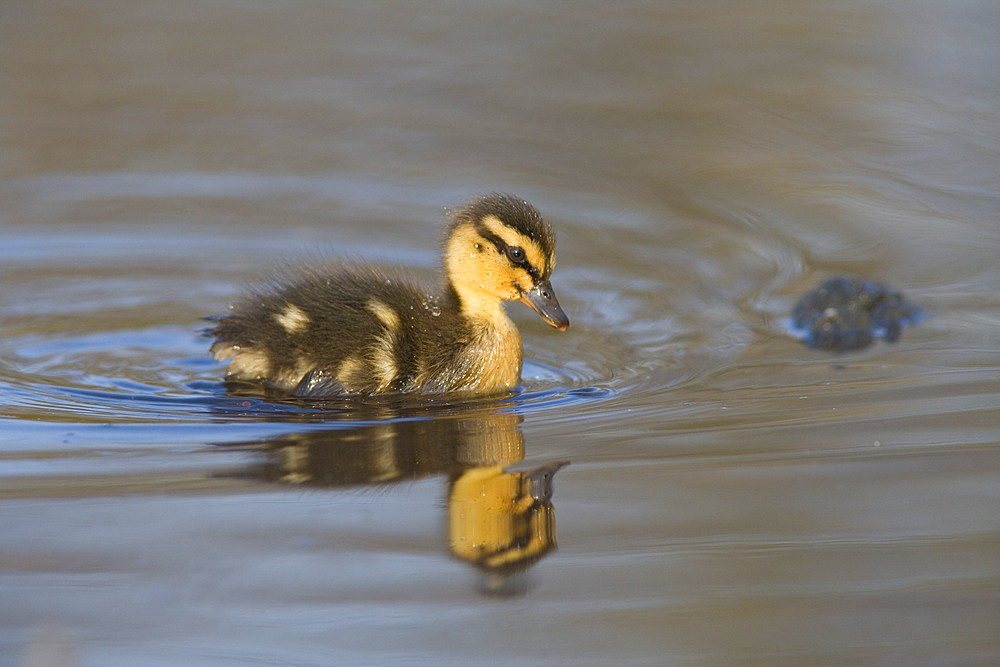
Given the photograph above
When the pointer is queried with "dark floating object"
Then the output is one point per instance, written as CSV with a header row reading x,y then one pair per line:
x,y
846,313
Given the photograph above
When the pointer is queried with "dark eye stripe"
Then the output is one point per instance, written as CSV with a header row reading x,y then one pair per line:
x,y
502,246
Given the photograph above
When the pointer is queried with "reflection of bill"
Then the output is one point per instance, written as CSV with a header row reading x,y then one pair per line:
x,y
501,522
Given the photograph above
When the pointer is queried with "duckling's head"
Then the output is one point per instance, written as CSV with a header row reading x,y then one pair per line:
x,y
498,248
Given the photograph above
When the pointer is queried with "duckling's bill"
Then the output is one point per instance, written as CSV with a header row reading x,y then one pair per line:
x,y
542,299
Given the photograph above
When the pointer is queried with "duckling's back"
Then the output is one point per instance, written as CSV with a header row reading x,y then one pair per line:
x,y
347,330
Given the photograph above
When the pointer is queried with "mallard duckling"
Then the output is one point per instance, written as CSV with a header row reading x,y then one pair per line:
x,y
361,330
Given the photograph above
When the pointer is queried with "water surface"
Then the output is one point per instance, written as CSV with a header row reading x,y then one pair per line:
x,y
731,496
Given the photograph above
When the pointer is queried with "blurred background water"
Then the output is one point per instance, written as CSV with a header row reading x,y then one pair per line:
x,y
732,495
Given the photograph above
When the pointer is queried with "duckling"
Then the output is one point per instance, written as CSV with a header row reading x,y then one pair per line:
x,y
362,330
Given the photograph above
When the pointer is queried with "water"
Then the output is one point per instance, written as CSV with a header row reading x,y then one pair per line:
x,y
731,496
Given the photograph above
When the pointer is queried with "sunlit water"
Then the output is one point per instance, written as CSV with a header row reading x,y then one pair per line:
x,y
731,496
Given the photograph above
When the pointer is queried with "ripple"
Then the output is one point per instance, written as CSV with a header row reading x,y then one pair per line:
x,y
164,374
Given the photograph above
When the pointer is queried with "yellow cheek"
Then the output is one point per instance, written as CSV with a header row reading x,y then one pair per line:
x,y
489,280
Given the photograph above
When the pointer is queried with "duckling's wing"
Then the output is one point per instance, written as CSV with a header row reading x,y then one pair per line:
x,y
322,332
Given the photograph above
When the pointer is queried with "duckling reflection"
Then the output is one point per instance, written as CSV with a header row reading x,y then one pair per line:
x,y
499,521
502,522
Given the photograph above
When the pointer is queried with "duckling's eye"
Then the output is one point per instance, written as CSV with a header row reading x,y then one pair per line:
x,y
516,254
